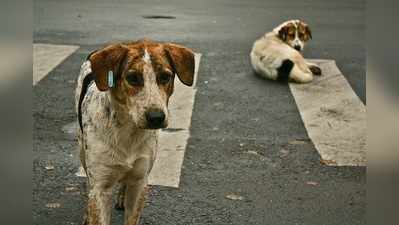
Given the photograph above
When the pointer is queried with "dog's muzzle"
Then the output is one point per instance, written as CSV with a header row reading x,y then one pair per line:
x,y
297,47
155,119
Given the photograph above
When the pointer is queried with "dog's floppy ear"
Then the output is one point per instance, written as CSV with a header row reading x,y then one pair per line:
x,y
308,31
283,33
105,60
303,27
183,62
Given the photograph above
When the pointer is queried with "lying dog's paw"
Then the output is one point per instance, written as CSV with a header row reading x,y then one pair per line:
x,y
315,70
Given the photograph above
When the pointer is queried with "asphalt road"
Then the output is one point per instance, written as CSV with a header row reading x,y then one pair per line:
x,y
234,113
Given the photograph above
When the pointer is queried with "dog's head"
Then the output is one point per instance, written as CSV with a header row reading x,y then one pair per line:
x,y
295,33
143,78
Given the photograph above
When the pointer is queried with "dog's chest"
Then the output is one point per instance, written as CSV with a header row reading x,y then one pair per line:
x,y
140,147
121,156
126,146
112,142
137,157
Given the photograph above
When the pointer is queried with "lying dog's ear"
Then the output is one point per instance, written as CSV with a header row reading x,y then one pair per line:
x,y
283,33
183,62
105,60
308,31
304,28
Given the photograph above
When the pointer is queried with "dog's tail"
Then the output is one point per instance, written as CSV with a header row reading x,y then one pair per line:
x,y
85,84
280,73
284,71
290,71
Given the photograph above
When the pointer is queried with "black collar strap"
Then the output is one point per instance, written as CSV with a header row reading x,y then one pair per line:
x,y
85,84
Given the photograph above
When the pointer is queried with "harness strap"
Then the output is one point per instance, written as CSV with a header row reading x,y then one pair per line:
x,y
86,82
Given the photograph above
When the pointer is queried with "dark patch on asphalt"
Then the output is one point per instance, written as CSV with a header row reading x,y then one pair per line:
x,y
158,17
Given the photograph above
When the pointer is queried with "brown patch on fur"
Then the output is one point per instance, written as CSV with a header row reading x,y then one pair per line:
x,y
105,60
133,63
128,56
165,58
93,215
287,33
183,62
304,32
162,66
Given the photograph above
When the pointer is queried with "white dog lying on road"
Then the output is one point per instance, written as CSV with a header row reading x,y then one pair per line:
x,y
277,54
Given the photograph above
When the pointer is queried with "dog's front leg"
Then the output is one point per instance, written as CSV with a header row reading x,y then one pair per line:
x,y
134,201
99,207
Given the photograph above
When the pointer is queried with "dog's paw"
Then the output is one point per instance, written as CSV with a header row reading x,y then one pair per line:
x,y
315,70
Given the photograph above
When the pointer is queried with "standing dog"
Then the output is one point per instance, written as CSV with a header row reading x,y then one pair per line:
x,y
277,55
119,116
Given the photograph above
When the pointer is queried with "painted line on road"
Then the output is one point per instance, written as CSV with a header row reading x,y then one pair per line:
x,y
47,56
334,116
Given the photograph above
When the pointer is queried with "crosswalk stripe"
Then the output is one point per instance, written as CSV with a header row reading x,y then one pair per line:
x,y
47,56
334,116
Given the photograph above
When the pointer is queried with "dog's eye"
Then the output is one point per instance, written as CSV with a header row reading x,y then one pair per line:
x,y
134,79
164,78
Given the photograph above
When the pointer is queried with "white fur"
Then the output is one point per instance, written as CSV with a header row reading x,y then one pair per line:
x,y
147,57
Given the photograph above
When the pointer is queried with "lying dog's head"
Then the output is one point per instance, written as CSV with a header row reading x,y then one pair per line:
x,y
143,78
295,33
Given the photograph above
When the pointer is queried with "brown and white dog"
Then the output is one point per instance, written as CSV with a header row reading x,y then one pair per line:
x,y
119,116
277,54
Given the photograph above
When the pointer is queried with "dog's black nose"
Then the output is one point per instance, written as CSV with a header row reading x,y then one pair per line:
x,y
297,47
155,119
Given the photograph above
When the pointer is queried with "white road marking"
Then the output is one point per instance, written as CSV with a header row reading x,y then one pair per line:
x,y
173,141
334,116
47,56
